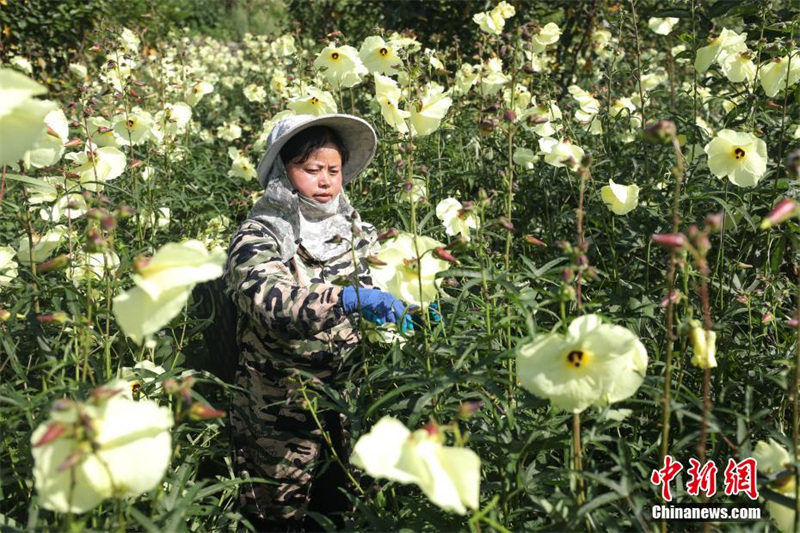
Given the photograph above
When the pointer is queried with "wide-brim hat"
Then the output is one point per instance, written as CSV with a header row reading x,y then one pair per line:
x,y
356,134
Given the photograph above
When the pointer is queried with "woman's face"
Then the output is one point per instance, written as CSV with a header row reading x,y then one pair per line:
x,y
320,176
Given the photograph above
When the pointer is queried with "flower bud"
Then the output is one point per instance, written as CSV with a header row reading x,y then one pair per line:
x,y
670,240
488,125
95,242
510,116
373,260
391,233
450,282
467,409
54,431
201,411
530,239
4,315
786,209
714,221
660,132
441,253
73,143
108,223
59,317
135,163
506,224
58,262
672,297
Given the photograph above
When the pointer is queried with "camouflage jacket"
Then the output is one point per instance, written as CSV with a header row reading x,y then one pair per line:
x,y
289,314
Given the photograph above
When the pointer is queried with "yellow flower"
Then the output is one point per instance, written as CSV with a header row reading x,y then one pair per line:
x,y
742,157
779,73
524,157
129,40
388,95
50,147
102,134
241,166
313,102
95,166
418,192
230,131
91,266
197,91
254,93
174,118
662,26
704,345
621,199
594,364
428,112
283,46
728,42
455,219
772,458
21,116
380,57
114,448
341,65
738,67
8,267
466,77
163,285
449,476
546,35
137,127
492,78
43,245
408,261
493,22
560,153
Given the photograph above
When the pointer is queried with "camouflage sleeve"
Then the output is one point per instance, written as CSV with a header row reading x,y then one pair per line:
x,y
366,246
262,286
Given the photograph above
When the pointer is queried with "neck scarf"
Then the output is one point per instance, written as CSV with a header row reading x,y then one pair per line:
x,y
323,229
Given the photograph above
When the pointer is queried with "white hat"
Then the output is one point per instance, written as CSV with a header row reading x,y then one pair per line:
x,y
356,134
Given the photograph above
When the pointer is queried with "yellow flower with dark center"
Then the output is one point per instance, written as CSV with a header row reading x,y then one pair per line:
x,y
741,157
340,65
380,57
593,364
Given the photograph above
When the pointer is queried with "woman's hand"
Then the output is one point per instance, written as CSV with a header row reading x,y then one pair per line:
x,y
378,306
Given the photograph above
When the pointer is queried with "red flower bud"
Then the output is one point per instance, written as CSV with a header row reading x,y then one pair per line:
x,y
785,209
73,142
201,411
506,224
670,240
441,253
54,430
59,261
530,239
373,260
391,233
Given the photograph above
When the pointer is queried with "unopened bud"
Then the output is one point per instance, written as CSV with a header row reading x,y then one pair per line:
x,y
443,254
458,242
140,262
391,233
786,209
135,163
432,428
57,262
450,282
104,393
123,211
108,223
4,315
766,317
488,125
59,317
54,431
530,239
506,224
467,409
672,297
73,143
201,411
95,242
714,221
567,274
373,260
670,240
510,116
660,132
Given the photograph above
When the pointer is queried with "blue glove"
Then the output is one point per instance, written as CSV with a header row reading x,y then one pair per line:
x,y
377,306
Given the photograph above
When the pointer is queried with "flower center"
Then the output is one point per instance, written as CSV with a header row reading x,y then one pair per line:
x,y
335,56
314,100
383,51
738,153
131,122
578,358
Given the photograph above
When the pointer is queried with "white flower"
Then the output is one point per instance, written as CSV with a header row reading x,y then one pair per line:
x,y
21,114
137,127
524,157
230,131
493,22
428,112
780,73
50,147
8,267
739,156
43,245
727,42
125,452
313,102
340,65
388,95
545,36
662,26
95,166
241,166
380,57
560,153
620,199
450,477
255,93
492,78
129,40
196,92
455,219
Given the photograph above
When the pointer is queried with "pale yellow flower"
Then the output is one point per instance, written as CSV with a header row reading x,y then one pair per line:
x,y
313,102
78,70
594,364
95,166
340,65
492,77
137,127
129,40
43,245
621,199
379,56
8,267
387,93
428,112
21,115
241,166
230,131
560,153
524,157
493,22
466,77
50,147
455,219
779,73
741,157
102,134
738,67
662,26
91,266
773,458
728,41
254,93
174,118
546,35
449,476
408,261
126,453
163,285
283,46
197,91
704,345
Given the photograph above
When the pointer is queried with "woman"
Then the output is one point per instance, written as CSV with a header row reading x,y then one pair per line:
x,y
285,272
